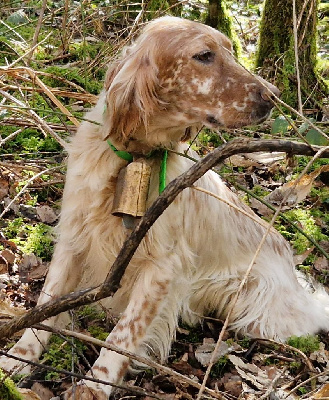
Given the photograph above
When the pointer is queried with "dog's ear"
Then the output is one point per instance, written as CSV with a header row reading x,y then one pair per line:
x,y
131,93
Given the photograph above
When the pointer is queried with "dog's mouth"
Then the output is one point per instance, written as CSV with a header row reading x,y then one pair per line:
x,y
256,117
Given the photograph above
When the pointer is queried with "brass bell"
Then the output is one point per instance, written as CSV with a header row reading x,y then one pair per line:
x,y
132,189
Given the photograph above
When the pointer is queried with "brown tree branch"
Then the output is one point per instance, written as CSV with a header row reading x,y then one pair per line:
x,y
112,282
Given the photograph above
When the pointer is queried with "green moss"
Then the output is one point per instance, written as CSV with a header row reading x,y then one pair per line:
x,y
302,390
275,53
98,332
74,75
40,241
60,355
307,222
306,344
219,17
36,239
90,313
221,366
29,141
8,390
13,228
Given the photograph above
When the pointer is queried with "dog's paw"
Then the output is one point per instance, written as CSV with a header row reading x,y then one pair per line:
x,y
84,392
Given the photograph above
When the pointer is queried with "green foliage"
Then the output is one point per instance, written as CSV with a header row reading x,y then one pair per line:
x,y
221,366
98,332
13,228
315,137
208,137
39,241
36,239
28,141
307,222
73,75
245,342
60,355
90,313
194,333
306,344
8,390
302,390
280,125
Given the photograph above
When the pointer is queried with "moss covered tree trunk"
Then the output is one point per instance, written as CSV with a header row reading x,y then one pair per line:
x,y
276,56
219,18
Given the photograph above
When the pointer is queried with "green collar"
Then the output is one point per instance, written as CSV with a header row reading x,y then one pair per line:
x,y
163,167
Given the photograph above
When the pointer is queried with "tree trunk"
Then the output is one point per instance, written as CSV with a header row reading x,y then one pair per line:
x,y
276,56
219,18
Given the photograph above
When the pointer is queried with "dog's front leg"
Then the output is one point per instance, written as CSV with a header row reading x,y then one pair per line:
x,y
145,303
63,276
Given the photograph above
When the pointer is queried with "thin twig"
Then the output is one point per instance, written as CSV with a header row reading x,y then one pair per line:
x,y
299,94
7,208
135,390
37,30
39,121
147,361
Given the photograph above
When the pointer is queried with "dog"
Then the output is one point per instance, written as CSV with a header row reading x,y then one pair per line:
x,y
176,76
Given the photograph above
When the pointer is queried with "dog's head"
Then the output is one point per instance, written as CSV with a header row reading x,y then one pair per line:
x,y
179,74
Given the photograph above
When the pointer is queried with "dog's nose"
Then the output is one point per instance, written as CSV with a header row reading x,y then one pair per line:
x,y
267,92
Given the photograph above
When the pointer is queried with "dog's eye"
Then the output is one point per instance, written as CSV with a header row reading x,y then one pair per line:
x,y
205,57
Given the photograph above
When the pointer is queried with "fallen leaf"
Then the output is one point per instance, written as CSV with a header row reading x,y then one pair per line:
x,y
4,188
261,208
321,355
43,392
8,256
46,214
323,393
39,272
7,310
296,190
300,258
251,373
203,353
28,394
321,264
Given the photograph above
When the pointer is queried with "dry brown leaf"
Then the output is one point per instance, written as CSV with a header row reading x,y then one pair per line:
x,y
296,191
4,188
43,392
321,355
8,256
321,264
323,393
203,353
251,373
7,310
46,214
28,394
300,258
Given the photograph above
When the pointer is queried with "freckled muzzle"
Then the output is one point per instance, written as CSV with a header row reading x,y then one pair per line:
x,y
255,106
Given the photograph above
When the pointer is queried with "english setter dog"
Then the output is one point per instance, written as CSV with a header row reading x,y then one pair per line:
x,y
176,76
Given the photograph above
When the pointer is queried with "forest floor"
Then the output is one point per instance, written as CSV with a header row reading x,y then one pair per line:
x,y
66,70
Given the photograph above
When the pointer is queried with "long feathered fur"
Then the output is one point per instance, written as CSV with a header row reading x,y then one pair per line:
x,y
192,260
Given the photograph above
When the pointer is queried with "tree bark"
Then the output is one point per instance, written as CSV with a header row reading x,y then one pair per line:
x,y
276,57
219,18
112,282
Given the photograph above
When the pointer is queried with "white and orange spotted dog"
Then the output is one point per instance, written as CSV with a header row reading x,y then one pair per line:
x,y
176,76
